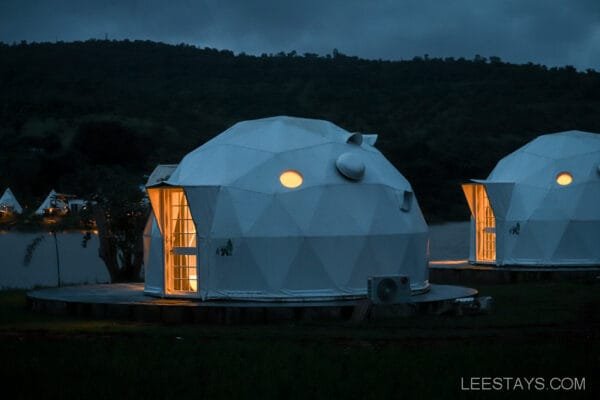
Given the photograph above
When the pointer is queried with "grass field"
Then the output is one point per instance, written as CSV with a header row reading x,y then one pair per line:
x,y
537,330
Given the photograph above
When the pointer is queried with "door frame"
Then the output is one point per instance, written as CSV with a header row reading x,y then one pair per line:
x,y
484,223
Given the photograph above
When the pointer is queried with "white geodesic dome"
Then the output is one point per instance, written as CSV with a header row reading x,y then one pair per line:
x,y
546,202
352,216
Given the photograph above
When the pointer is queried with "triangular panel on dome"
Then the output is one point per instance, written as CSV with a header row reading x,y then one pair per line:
x,y
559,203
573,246
518,167
389,217
274,257
301,206
306,272
203,204
586,204
561,145
275,139
524,201
529,248
542,177
588,238
338,254
281,134
238,272
380,170
388,252
366,266
217,165
341,209
274,221
548,235
248,206
500,196
226,221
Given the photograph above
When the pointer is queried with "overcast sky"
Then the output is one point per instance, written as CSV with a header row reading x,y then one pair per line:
x,y
551,32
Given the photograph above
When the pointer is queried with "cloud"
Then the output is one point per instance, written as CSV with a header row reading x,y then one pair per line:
x,y
549,32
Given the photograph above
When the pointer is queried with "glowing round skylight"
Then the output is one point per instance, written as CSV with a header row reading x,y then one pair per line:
x,y
291,179
564,179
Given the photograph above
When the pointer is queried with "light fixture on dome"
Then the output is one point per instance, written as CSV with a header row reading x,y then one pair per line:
x,y
564,179
291,179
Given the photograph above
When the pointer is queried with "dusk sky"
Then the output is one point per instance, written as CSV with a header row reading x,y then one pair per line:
x,y
550,32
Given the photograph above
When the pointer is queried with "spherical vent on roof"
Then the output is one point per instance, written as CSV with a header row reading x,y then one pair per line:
x,y
351,166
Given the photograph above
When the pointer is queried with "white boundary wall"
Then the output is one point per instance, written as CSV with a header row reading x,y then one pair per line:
x,y
78,265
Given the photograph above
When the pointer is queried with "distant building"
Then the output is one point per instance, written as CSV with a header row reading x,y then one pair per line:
x,y
59,204
76,205
9,204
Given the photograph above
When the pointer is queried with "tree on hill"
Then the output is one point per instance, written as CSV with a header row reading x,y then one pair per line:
x,y
134,104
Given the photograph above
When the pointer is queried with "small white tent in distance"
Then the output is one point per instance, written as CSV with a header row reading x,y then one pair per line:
x,y
283,208
53,204
540,206
9,203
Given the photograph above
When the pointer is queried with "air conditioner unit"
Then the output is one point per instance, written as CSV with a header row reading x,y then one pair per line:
x,y
390,289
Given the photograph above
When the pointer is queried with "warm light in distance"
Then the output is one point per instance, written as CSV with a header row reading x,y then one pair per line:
x,y
290,179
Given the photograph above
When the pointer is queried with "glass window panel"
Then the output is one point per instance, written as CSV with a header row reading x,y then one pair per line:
x,y
175,220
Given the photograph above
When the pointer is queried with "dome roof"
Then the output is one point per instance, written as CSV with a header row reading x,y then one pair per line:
x,y
252,155
540,161
554,177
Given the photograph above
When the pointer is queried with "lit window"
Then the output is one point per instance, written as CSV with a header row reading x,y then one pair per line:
x,y
179,238
564,179
290,179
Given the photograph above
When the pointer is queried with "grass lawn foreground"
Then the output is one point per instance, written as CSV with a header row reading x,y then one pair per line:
x,y
536,330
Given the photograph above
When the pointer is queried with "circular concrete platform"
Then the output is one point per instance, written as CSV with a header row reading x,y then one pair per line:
x,y
127,301
460,271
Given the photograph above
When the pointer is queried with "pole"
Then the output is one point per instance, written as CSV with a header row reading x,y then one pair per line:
x,y
57,257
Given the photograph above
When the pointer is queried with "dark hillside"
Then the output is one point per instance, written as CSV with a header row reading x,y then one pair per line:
x,y
66,108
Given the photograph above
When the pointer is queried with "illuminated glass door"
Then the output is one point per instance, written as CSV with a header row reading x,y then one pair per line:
x,y
179,234
485,223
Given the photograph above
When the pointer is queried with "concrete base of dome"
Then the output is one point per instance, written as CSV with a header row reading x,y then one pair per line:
x,y
460,271
127,301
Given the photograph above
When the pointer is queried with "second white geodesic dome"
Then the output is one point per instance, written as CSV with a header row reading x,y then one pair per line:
x,y
540,205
